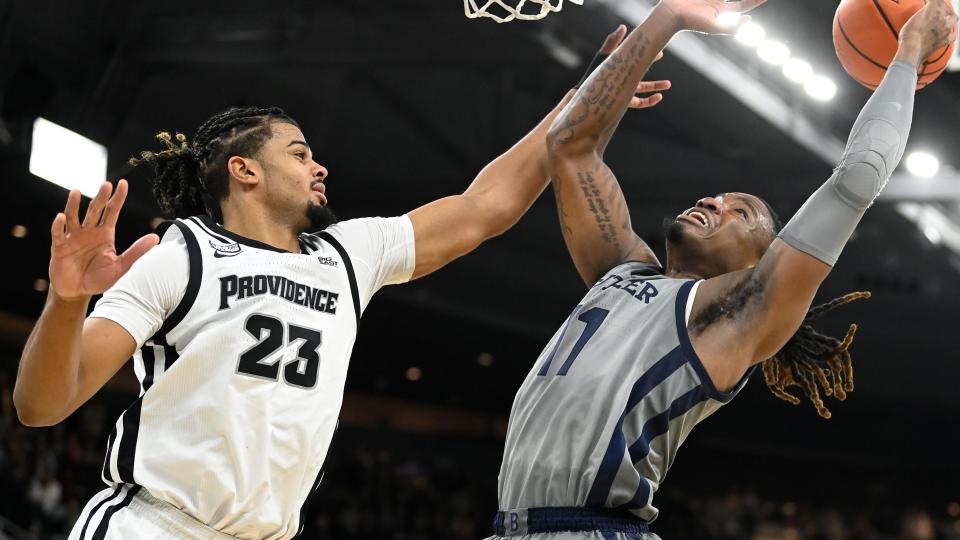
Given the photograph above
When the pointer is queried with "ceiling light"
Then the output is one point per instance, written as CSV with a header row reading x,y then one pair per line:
x,y
773,52
820,88
751,34
40,285
797,70
67,159
923,164
932,234
728,19
18,231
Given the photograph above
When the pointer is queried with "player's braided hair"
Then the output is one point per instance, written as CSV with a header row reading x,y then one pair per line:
x,y
192,178
811,358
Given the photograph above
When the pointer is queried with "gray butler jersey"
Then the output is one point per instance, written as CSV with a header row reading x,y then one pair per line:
x,y
599,418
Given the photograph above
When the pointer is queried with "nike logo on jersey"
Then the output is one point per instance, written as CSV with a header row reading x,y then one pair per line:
x,y
224,250
329,261
239,288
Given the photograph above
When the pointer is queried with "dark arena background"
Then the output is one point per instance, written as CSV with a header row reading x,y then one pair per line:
x,y
404,102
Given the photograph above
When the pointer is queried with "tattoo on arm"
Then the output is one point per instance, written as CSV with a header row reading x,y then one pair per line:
x,y
599,96
600,205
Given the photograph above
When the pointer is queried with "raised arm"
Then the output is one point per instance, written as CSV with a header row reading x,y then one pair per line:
x,y
500,194
593,212
744,318
67,357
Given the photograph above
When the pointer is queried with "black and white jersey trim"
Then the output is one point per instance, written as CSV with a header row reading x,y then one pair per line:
x,y
115,502
199,223
223,235
122,441
101,532
348,264
93,511
193,283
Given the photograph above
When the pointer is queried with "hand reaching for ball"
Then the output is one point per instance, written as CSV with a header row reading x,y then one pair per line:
x,y
930,29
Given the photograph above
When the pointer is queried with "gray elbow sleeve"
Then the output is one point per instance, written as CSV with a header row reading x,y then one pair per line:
x,y
825,222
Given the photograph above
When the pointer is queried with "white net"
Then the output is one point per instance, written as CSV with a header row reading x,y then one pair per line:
x,y
505,10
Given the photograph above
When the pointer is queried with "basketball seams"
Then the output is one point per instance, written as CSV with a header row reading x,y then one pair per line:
x,y
860,40
937,59
856,66
883,14
855,48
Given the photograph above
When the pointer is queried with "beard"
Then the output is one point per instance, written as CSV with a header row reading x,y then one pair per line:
x,y
320,217
673,231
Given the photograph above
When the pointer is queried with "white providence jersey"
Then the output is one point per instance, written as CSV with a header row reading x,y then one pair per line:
x,y
242,361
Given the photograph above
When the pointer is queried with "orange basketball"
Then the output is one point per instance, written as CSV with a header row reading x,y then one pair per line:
x,y
865,34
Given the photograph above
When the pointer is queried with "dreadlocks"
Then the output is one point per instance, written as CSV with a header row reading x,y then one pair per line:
x,y
811,358
192,179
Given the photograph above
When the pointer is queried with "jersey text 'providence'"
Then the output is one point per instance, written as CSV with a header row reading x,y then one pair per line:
x,y
241,386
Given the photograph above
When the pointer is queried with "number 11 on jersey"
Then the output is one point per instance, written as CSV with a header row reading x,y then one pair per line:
x,y
593,318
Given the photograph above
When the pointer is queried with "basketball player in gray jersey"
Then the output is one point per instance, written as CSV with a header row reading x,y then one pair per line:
x,y
648,353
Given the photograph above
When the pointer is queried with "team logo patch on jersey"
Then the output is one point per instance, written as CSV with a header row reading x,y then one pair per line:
x,y
224,250
329,261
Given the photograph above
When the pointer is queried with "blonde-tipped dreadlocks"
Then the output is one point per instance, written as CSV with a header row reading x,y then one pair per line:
x,y
811,358
191,178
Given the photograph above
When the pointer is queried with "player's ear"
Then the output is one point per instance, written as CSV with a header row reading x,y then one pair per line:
x,y
244,170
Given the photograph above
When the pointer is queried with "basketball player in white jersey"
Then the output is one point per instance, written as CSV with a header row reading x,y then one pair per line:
x,y
239,323
650,352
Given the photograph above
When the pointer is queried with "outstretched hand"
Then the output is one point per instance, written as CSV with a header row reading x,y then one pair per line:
x,y
646,87
705,15
83,256
931,28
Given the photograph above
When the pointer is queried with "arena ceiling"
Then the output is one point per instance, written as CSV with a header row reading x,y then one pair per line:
x,y
405,101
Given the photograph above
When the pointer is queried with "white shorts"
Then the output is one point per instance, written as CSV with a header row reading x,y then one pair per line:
x,y
126,512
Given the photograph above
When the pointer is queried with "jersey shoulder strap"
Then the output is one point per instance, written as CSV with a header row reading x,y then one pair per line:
x,y
193,283
348,266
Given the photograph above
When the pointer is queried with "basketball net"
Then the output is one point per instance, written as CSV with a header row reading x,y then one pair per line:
x,y
482,8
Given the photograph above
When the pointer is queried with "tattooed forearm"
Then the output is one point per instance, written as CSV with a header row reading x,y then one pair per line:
x,y
598,205
607,92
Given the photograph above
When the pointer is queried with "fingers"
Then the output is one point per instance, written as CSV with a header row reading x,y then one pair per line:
x,y
137,250
57,231
112,212
646,102
743,6
95,208
72,212
649,101
653,86
659,56
613,40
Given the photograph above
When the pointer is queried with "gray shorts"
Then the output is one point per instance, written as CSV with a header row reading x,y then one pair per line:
x,y
570,523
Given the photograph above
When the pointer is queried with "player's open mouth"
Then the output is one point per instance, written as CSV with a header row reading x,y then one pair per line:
x,y
697,217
